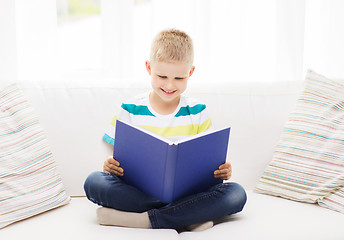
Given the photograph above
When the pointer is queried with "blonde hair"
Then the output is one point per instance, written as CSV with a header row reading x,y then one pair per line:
x,y
172,45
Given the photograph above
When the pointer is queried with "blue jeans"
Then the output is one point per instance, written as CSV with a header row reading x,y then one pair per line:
x,y
110,191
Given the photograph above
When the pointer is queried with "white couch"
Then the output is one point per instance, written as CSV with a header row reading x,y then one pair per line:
x,y
74,115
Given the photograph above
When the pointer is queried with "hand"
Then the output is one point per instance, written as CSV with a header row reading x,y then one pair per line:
x,y
224,171
112,166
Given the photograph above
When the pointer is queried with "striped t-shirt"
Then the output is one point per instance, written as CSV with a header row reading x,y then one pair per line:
x,y
190,118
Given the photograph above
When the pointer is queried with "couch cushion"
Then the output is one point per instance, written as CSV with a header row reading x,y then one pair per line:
x,y
29,182
270,218
334,201
308,163
264,217
77,221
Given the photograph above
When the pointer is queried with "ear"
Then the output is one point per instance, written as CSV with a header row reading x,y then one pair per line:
x,y
148,67
191,71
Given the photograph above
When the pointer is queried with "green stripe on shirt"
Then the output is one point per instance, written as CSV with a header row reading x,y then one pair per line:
x,y
137,109
185,111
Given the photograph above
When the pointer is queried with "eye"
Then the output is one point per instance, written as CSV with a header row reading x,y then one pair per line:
x,y
161,76
179,78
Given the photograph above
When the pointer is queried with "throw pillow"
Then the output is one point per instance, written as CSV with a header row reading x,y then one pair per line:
x,y
308,162
334,201
29,181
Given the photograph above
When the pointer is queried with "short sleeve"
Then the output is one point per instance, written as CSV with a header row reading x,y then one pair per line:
x,y
109,135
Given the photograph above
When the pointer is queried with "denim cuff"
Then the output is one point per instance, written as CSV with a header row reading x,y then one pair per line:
x,y
152,218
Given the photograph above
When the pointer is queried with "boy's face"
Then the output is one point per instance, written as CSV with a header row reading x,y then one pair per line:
x,y
169,80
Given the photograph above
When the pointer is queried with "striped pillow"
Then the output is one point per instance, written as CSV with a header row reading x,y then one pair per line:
x,y
308,163
29,182
334,201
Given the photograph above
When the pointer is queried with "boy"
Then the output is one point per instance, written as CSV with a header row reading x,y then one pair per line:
x,y
166,111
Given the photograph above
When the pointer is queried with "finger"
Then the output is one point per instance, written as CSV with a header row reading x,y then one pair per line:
x,y
110,165
225,165
119,173
223,176
117,170
114,170
113,167
226,177
107,169
222,171
113,161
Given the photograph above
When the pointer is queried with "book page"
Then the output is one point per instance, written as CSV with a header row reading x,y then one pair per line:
x,y
198,135
189,138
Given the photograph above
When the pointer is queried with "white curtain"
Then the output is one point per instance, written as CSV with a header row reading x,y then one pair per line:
x,y
235,40
27,39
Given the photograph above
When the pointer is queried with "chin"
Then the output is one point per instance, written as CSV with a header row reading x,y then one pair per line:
x,y
169,98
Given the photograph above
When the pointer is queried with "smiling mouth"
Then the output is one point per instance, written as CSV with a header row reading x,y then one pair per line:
x,y
168,92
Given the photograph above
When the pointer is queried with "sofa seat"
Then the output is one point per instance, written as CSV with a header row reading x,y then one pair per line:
x,y
264,217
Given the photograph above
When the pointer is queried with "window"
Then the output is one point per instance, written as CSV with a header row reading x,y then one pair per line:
x,y
235,40
79,38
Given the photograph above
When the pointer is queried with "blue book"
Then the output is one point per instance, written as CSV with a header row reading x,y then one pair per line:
x,y
165,170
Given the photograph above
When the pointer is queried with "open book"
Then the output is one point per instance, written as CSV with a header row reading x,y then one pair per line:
x,y
167,170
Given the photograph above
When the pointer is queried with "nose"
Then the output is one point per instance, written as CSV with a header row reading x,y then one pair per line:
x,y
169,84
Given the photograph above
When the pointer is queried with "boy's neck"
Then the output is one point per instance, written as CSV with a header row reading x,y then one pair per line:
x,y
162,107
